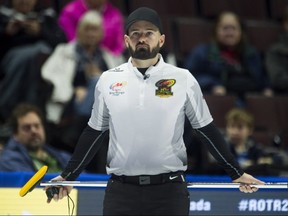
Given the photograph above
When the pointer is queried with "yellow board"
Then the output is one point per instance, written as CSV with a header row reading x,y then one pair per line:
x,y
34,204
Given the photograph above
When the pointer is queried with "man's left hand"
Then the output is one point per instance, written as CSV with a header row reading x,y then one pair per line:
x,y
247,183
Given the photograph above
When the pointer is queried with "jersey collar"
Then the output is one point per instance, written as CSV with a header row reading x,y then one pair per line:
x,y
151,70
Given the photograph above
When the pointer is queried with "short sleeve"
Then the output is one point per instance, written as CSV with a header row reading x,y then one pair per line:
x,y
196,107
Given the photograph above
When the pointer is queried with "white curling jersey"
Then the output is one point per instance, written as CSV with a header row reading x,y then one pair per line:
x,y
145,117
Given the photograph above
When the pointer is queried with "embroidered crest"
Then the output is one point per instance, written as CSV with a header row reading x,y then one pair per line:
x,y
117,88
164,88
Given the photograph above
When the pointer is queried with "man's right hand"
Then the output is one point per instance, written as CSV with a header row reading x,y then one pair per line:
x,y
63,190
13,27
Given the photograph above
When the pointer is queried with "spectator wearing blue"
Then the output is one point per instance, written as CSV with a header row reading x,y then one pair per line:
x,y
228,64
27,149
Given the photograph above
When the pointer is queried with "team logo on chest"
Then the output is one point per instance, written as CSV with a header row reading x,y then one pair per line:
x,y
164,88
117,88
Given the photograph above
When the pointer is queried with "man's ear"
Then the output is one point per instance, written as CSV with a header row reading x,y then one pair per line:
x,y
126,40
162,40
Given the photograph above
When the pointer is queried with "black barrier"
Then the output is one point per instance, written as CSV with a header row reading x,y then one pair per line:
x,y
206,202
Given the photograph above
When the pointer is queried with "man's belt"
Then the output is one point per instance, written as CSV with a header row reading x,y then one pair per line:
x,y
151,179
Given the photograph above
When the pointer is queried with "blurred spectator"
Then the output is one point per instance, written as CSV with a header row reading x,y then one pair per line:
x,y
27,149
239,131
1,146
251,155
112,22
228,64
25,34
74,69
277,59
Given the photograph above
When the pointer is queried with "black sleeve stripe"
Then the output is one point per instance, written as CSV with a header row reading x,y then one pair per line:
x,y
87,153
88,145
218,147
219,153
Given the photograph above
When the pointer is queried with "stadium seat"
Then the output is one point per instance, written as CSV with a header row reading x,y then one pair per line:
x,y
122,5
264,138
243,8
187,33
265,112
219,106
262,33
168,7
277,8
282,107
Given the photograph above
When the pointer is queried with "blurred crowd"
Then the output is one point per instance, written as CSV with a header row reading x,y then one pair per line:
x,y
51,60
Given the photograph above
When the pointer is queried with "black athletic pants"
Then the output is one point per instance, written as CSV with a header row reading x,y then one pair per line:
x,y
170,198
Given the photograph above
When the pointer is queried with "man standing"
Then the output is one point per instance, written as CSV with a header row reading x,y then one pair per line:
x,y
143,104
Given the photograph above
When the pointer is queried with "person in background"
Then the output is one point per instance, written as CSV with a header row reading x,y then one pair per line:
x,y
1,146
25,34
252,156
228,64
73,69
239,135
276,60
143,104
27,149
112,22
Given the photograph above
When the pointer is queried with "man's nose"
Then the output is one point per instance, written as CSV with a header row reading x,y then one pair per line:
x,y
142,37
34,128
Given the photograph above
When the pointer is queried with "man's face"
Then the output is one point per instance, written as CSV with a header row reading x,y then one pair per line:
x,y
144,40
30,131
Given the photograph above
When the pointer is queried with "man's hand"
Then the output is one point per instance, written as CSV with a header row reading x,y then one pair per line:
x,y
32,27
246,182
219,90
63,191
13,27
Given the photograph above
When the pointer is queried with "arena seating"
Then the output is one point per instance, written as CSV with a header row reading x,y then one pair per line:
x,y
187,33
219,106
262,33
276,9
241,7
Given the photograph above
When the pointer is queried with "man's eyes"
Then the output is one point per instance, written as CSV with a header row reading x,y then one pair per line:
x,y
139,34
149,33
135,34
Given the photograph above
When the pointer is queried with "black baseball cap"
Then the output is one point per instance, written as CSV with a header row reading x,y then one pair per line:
x,y
146,14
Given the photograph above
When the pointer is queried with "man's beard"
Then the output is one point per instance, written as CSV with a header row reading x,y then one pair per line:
x,y
144,53
35,143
